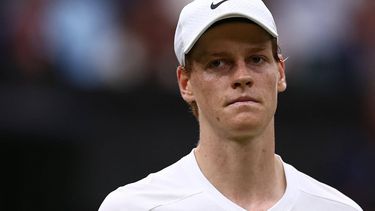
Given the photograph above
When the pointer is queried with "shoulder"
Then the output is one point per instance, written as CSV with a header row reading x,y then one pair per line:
x,y
157,189
318,194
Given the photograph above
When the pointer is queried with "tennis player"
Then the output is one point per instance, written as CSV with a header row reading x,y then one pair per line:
x,y
230,73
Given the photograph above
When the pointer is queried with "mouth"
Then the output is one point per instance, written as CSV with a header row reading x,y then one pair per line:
x,y
243,100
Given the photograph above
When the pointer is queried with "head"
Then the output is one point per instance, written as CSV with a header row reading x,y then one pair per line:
x,y
188,67
230,70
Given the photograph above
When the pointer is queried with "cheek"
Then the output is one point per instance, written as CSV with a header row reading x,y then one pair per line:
x,y
200,89
268,80
206,89
268,87
272,77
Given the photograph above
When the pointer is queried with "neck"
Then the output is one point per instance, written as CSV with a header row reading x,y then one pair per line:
x,y
247,171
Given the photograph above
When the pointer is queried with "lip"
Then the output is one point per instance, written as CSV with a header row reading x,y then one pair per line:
x,y
243,100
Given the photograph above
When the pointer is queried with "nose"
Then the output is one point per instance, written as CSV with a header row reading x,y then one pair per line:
x,y
242,77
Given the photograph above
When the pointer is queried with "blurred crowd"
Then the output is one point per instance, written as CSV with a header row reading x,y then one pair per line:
x,y
90,44
122,45
95,44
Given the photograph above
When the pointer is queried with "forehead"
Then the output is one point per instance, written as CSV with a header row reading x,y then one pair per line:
x,y
221,35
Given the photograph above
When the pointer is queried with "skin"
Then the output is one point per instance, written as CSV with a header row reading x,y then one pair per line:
x,y
235,80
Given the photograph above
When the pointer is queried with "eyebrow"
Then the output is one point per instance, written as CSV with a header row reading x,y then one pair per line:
x,y
258,48
206,53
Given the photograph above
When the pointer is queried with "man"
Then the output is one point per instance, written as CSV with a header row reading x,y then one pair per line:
x,y
230,73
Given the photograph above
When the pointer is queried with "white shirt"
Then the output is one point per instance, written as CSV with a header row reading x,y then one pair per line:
x,y
183,187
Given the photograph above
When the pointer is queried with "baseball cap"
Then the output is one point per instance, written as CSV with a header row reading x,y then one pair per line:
x,y
197,16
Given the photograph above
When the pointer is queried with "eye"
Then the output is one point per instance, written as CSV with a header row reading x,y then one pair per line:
x,y
257,60
219,64
216,63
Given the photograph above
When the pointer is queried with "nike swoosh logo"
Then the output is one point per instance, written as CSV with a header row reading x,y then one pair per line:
x,y
214,6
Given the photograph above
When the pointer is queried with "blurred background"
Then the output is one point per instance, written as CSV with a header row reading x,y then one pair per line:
x,y
89,99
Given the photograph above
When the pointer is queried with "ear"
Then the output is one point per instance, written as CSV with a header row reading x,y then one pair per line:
x,y
281,84
184,84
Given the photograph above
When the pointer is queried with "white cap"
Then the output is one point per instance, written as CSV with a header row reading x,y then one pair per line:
x,y
199,15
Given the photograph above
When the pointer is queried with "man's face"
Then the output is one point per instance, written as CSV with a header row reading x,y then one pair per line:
x,y
234,79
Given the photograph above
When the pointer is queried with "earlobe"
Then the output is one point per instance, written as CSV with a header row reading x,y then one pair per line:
x,y
184,84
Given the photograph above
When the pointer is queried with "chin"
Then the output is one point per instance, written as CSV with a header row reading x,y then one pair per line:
x,y
246,121
246,127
